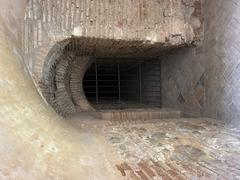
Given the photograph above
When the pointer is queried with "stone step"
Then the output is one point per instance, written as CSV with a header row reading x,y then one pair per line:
x,y
139,114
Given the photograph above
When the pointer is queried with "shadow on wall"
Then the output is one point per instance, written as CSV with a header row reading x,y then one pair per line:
x,y
204,81
183,81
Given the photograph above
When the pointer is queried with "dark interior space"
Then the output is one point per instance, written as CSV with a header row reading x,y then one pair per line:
x,y
123,83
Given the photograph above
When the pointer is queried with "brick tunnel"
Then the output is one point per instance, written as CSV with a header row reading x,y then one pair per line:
x,y
74,81
59,49
119,89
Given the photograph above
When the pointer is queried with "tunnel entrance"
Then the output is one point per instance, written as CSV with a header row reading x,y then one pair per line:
x,y
73,81
123,83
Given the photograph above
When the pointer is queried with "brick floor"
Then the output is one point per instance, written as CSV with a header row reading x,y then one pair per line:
x,y
171,148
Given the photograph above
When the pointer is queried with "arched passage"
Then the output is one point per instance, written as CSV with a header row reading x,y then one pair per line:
x,y
70,74
62,76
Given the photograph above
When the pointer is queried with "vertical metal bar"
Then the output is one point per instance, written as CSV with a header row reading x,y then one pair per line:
x,y
119,84
140,81
160,83
96,78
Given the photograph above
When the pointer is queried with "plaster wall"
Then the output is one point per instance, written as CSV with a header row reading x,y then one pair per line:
x,y
35,143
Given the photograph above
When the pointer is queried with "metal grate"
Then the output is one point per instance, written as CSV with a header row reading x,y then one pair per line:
x,y
121,82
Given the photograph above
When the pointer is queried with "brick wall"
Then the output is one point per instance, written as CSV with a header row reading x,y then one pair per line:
x,y
204,81
137,27
102,28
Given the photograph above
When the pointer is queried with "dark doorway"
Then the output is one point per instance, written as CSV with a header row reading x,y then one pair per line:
x,y
123,83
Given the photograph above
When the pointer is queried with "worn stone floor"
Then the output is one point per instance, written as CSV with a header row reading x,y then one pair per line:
x,y
169,148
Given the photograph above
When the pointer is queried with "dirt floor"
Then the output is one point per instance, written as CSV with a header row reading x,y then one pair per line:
x,y
169,148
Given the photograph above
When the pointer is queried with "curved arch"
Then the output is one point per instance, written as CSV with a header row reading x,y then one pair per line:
x,y
79,67
61,81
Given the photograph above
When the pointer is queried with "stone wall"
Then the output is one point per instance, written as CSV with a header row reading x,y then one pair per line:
x,y
204,81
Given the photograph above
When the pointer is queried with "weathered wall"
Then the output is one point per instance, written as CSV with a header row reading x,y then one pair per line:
x,y
35,143
205,80
109,26
104,29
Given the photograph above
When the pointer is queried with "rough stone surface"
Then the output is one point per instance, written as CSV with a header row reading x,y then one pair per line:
x,y
204,81
171,148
